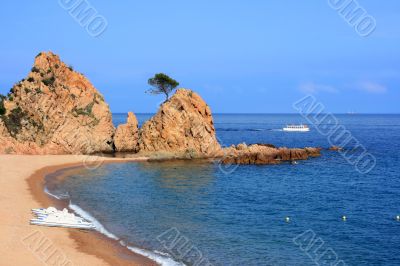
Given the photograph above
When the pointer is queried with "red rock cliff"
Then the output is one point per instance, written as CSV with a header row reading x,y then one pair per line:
x,y
55,110
182,125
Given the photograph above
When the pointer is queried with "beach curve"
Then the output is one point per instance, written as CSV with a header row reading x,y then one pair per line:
x,y
23,244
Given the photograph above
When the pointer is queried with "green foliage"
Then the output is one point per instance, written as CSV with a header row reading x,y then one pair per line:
x,y
70,67
12,121
84,111
162,84
49,81
2,108
39,54
87,111
38,90
56,66
31,79
98,96
35,69
27,90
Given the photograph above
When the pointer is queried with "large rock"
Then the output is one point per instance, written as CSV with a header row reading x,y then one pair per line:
x,y
265,154
183,126
55,110
127,135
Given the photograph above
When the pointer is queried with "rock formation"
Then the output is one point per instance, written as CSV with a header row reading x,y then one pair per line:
x,y
183,126
335,148
126,137
55,110
265,154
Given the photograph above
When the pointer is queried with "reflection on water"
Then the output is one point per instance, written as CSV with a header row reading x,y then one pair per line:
x,y
177,176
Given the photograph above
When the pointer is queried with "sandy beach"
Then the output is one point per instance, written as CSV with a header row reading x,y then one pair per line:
x,y
21,189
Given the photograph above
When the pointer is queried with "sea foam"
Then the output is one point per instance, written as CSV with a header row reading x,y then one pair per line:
x,y
99,227
164,260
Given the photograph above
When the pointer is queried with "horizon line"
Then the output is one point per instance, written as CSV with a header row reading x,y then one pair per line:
x,y
217,113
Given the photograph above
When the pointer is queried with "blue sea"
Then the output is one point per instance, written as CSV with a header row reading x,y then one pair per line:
x,y
197,213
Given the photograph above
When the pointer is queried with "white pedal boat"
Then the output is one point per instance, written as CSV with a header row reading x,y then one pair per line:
x,y
47,211
55,218
65,224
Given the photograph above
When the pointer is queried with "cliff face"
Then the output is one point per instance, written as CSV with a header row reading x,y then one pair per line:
x,y
55,110
182,126
126,137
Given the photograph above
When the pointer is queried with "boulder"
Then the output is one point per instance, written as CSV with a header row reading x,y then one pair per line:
x,y
183,126
126,137
55,110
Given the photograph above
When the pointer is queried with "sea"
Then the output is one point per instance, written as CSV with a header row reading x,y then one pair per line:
x,y
322,211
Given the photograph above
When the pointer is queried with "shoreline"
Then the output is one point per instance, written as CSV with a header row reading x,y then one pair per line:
x,y
25,244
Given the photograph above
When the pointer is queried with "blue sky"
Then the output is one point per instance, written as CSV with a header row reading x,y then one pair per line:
x,y
241,56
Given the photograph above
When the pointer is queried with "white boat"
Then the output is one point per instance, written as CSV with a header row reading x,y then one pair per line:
x,y
296,128
57,222
49,210
46,217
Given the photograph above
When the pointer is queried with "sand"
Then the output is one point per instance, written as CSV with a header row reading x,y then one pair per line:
x,y
21,189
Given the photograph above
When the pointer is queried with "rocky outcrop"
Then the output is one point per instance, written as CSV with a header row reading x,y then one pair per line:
x,y
183,126
55,110
265,154
126,137
335,148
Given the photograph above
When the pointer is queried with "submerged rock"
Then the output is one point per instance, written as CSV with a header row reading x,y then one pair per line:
x,y
335,148
126,137
55,110
183,126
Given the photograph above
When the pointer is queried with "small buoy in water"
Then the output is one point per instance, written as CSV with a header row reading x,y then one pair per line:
x,y
344,218
287,219
398,218
294,162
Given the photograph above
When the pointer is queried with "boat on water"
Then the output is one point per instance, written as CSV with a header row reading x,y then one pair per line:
x,y
296,128
55,218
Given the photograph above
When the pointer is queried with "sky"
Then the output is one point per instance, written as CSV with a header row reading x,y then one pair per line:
x,y
256,56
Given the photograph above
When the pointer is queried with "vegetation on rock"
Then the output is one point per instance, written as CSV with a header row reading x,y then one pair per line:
x,y
35,69
13,120
162,84
49,81
2,108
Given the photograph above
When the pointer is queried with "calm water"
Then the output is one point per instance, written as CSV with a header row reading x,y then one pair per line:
x,y
239,218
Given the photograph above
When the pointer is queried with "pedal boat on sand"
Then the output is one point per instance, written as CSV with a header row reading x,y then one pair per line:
x,y
54,218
